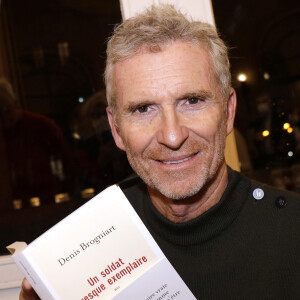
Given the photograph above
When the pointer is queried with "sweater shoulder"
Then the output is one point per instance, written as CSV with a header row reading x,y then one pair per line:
x,y
279,207
269,192
272,193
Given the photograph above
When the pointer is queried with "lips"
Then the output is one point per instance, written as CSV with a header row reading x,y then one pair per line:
x,y
177,160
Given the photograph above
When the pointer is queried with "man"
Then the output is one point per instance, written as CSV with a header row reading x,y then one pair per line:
x,y
171,107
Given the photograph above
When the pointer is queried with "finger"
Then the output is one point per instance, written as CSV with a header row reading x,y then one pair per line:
x,y
27,292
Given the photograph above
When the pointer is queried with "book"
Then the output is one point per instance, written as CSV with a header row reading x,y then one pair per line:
x,y
100,251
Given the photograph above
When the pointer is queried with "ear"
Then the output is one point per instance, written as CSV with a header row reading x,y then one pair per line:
x,y
231,107
115,130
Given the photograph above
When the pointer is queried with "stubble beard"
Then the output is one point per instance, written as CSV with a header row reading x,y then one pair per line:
x,y
179,185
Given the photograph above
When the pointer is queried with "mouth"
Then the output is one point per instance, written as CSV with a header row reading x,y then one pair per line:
x,y
178,160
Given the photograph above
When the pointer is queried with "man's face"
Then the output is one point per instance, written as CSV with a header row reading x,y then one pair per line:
x,y
170,118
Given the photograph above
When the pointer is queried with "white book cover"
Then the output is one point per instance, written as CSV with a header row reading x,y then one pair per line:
x,y
100,251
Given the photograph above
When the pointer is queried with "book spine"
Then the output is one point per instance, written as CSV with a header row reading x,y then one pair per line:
x,y
34,279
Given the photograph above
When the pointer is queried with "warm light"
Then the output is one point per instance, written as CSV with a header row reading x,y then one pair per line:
x,y
35,201
266,76
266,133
286,126
290,130
17,204
76,136
88,193
63,197
242,77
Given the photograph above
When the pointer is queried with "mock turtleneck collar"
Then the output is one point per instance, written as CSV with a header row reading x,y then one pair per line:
x,y
207,225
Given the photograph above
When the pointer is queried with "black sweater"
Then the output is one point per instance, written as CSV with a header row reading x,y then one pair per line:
x,y
241,248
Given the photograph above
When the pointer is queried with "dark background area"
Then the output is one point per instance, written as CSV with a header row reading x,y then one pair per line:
x,y
264,42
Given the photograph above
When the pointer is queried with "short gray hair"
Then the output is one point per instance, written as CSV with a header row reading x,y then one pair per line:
x,y
159,26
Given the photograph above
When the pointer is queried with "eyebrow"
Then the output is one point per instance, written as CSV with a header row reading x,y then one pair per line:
x,y
132,105
200,93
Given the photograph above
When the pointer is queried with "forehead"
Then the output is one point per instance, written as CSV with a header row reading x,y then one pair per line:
x,y
180,65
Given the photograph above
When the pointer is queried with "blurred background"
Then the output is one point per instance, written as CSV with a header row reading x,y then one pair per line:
x,y
56,149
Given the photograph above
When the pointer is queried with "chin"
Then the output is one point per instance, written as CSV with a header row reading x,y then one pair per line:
x,y
179,184
177,190
185,185
174,195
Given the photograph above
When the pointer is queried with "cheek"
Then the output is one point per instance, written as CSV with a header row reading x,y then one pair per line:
x,y
138,137
207,125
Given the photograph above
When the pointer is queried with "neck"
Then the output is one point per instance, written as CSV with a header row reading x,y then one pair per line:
x,y
179,211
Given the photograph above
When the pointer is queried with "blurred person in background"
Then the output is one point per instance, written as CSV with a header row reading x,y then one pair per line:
x,y
39,160
101,163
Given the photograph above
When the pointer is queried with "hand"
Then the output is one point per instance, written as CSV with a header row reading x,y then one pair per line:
x,y
27,292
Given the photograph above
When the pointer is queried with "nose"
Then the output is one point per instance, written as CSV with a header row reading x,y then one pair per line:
x,y
171,133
